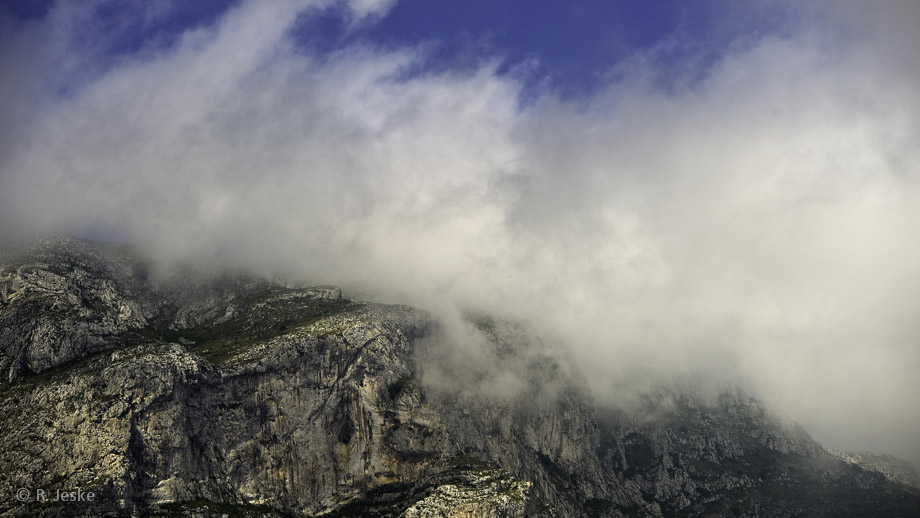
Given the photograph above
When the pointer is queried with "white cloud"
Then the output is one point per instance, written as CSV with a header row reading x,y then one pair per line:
x,y
364,8
756,226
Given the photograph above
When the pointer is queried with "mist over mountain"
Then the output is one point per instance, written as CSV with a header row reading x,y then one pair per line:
x,y
747,218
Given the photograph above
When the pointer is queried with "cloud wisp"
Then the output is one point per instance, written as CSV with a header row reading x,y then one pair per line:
x,y
754,225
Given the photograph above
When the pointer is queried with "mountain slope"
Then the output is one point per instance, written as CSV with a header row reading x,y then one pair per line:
x,y
228,395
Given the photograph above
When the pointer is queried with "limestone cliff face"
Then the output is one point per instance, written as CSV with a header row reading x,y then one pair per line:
x,y
235,396
161,398
63,300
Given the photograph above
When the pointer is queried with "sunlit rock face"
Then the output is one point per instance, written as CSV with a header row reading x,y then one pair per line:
x,y
63,300
182,395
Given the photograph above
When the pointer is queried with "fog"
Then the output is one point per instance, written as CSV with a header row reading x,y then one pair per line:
x,y
756,224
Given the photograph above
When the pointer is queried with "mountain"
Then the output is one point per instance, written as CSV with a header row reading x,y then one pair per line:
x,y
185,394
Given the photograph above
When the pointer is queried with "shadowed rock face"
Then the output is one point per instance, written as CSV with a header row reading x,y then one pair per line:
x,y
234,396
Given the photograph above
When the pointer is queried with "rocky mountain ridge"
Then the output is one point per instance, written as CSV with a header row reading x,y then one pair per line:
x,y
237,396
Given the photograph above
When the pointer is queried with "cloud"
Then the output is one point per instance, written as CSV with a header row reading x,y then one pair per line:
x,y
754,225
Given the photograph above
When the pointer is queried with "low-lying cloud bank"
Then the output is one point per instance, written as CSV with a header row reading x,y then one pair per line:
x,y
756,225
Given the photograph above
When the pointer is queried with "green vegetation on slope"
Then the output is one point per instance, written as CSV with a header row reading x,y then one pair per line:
x,y
254,319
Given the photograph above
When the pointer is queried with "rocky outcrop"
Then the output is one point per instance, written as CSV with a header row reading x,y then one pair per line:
x,y
893,468
63,299
301,422
231,396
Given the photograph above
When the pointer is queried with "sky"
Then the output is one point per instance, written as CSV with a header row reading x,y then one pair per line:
x,y
668,187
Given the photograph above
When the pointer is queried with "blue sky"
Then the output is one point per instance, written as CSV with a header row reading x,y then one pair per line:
x,y
570,49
